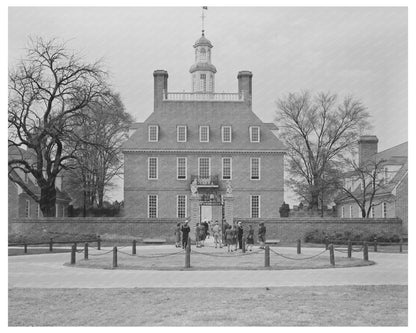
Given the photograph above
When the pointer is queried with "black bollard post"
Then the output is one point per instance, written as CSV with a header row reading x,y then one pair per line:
x,y
375,244
365,251
115,257
188,254
86,251
51,245
401,245
25,247
73,251
244,246
331,254
133,251
98,242
299,249
349,248
326,242
267,256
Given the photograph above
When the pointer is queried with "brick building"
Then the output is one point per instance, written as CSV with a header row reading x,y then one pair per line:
x,y
202,154
391,197
21,204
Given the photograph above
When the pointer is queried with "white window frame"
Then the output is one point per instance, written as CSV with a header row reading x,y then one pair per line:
x,y
38,210
251,134
177,167
384,210
223,131
148,168
231,168
251,168
372,211
178,131
350,211
199,166
157,133
177,205
27,208
342,211
200,133
251,206
148,206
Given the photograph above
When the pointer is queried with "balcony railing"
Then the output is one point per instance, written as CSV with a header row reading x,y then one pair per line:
x,y
187,96
211,181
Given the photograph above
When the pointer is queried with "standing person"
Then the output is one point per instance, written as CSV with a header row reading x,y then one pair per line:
x,y
240,232
197,235
202,234
262,235
216,232
185,234
229,238
178,235
250,238
224,227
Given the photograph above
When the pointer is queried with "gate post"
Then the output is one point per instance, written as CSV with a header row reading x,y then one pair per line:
x,y
267,256
188,254
331,254
299,248
349,248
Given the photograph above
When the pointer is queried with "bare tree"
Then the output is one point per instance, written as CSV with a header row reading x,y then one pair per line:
x,y
317,132
363,183
99,161
48,92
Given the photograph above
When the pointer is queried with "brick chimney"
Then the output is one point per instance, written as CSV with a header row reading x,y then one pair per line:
x,y
245,85
367,148
160,87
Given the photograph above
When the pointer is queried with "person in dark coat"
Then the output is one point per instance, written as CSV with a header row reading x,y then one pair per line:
x,y
178,235
262,235
240,232
185,234
250,238
229,235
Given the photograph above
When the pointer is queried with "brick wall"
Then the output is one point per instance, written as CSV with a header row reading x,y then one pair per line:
x,y
402,203
285,229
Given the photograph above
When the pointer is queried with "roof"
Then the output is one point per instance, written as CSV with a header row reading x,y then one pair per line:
x,y
196,113
202,41
393,154
202,66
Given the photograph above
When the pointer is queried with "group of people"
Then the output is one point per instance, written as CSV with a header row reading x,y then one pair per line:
x,y
229,235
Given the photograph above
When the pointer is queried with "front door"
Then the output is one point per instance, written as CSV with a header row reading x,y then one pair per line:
x,y
206,213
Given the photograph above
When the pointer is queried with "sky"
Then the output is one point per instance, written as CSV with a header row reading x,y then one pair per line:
x,y
358,51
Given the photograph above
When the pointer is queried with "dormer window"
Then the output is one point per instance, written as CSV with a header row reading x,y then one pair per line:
x,y
181,133
254,133
203,133
153,133
226,133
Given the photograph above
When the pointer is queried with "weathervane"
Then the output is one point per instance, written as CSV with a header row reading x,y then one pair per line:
x,y
203,17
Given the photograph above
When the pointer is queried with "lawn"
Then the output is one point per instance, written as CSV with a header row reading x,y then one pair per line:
x,y
283,306
209,258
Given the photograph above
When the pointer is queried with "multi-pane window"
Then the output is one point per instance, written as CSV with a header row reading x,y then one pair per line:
x,y
204,167
181,206
254,206
152,168
203,133
226,133
27,208
203,56
38,210
254,134
153,131
226,168
152,206
343,211
181,133
372,211
384,209
181,164
26,178
255,168
350,211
